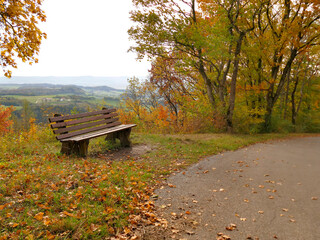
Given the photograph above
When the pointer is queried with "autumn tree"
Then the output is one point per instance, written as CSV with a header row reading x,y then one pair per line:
x,y
287,29
174,30
170,83
5,122
20,36
232,52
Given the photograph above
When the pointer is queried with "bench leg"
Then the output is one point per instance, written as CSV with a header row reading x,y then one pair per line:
x,y
124,138
82,148
78,148
66,148
111,137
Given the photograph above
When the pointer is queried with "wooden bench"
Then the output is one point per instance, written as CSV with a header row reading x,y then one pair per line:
x,y
74,131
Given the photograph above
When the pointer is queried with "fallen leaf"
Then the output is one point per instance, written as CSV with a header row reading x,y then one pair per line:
x,y
65,213
13,225
261,186
261,212
271,197
188,212
206,171
171,185
46,221
292,220
231,227
39,216
285,209
2,206
190,232
222,236
314,198
50,236
243,219
246,200
94,227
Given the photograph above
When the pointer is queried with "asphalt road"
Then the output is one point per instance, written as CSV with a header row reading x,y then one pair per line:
x,y
265,191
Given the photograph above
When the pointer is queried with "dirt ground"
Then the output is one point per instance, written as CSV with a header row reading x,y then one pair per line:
x,y
125,153
265,191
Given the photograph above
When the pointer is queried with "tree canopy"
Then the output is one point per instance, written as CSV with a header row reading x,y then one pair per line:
x,y
20,35
243,56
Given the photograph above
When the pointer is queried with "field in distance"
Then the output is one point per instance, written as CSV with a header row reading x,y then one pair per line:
x,y
42,99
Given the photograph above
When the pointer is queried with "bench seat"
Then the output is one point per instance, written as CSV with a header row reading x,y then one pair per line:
x,y
99,133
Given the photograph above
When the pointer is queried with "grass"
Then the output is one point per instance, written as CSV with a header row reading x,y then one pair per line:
x,y
44,194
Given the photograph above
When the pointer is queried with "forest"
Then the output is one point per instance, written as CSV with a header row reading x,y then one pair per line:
x,y
235,66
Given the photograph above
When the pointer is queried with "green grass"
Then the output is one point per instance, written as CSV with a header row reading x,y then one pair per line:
x,y
44,194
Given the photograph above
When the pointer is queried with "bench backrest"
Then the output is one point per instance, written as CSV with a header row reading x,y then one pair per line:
x,y
74,125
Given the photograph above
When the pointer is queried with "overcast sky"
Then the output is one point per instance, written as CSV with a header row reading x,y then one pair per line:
x,y
85,38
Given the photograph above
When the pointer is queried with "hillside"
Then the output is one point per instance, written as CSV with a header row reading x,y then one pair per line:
x,y
113,82
50,89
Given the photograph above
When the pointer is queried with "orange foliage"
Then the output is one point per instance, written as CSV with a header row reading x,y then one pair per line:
x,y
161,120
5,122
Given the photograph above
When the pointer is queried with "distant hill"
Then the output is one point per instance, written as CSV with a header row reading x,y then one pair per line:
x,y
39,89
51,89
88,81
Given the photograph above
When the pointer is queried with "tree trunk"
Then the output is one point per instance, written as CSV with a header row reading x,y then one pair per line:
x,y
208,84
286,98
233,85
222,86
272,96
293,102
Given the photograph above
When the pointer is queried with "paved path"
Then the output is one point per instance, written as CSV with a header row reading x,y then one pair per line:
x,y
268,191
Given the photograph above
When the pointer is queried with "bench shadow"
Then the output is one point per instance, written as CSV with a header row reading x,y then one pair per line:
x,y
123,153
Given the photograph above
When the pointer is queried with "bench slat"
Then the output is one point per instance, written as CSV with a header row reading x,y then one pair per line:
x,y
87,125
68,135
83,120
99,133
80,115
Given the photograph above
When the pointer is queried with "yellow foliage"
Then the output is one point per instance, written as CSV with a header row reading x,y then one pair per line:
x,y
20,36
